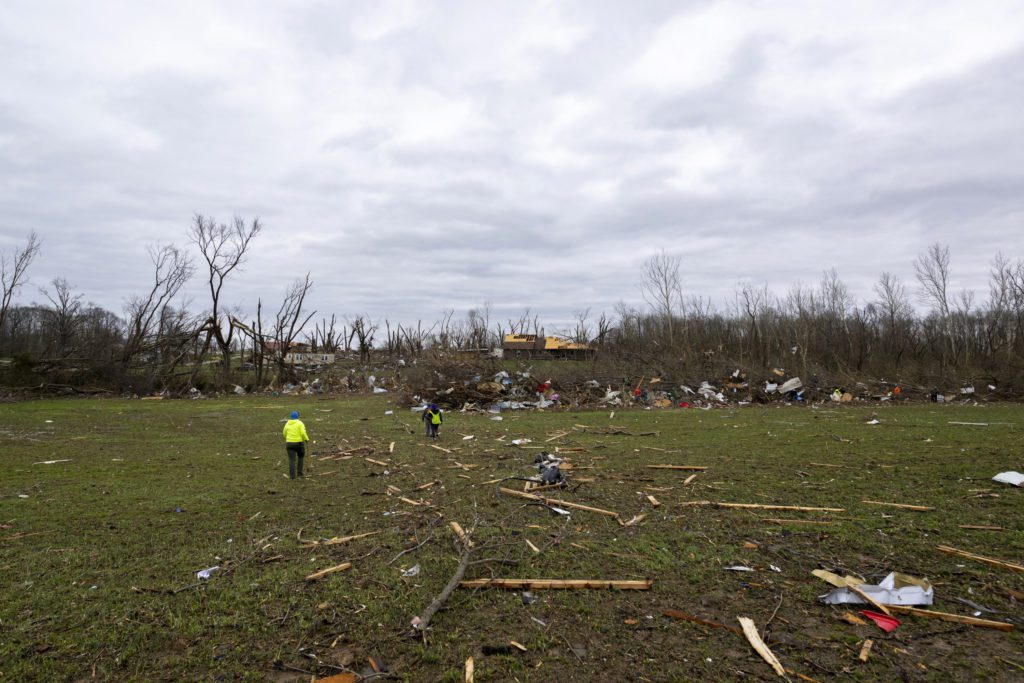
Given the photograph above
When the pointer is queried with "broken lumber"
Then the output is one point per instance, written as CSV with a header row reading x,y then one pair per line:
x,y
316,576
541,584
338,540
534,548
463,536
750,631
469,670
755,506
1001,564
376,462
676,467
683,616
797,521
981,527
902,506
689,479
653,501
557,503
865,650
945,616
440,448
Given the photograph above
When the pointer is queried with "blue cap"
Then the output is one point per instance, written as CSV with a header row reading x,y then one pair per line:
x,y
433,406
295,415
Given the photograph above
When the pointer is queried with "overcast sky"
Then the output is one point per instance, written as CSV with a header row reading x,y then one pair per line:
x,y
420,156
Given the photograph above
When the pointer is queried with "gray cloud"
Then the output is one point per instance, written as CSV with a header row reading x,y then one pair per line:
x,y
417,156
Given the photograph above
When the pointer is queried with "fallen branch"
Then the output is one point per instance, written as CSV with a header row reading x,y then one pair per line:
x,y
421,623
682,616
1001,564
540,584
466,541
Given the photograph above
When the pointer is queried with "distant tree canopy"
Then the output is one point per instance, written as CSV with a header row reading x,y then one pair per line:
x,y
814,330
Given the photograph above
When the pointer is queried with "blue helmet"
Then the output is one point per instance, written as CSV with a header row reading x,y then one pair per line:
x,y
295,415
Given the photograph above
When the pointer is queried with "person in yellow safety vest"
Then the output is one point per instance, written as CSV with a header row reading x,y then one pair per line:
x,y
295,443
432,418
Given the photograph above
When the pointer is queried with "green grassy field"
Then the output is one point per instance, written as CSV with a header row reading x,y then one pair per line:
x,y
98,568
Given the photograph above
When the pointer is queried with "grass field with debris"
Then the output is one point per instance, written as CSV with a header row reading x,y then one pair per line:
x,y
98,564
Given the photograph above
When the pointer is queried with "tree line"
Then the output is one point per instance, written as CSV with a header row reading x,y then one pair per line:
x,y
816,330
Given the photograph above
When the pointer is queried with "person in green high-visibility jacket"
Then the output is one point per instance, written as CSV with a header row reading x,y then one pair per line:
x,y
295,443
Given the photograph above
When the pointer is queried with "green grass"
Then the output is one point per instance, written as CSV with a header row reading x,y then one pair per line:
x,y
88,558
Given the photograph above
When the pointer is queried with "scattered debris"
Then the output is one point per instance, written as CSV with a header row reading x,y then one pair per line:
x,y
51,462
865,650
886,622
894,589
462,536
1011,478
469,670
204,574
851,618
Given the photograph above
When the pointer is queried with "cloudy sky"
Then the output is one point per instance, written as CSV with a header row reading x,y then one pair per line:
x,y
420,156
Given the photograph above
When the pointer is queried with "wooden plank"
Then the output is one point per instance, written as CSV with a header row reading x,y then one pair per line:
x,y
870,600
653,501
410,501
981,527
1001,564
677,467
572,584
558,503
750,631
901,506
424,487
376,462
865,650
689,479
797,521
754,506
440,448
463,536
944,616
469,670
316,576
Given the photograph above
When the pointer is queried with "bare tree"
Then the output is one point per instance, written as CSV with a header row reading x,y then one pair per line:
x,y
66,316
895,308
13,271
172,268
661,288
287,325
223,248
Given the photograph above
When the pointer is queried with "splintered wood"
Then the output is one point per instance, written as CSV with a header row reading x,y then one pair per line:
x,y
677,467
1001,564
750,631
972,621
902,506
754,506
542,584
865,650
558,503
463,536
316,576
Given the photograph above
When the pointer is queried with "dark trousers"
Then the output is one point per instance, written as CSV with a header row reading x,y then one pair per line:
x,y
296,451
432,430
